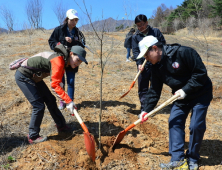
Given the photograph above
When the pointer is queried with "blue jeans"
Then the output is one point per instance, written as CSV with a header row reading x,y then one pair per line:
x,y
38,94
128,53
197,128
70,78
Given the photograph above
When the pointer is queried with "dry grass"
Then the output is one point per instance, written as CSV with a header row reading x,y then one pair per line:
x,y
146,144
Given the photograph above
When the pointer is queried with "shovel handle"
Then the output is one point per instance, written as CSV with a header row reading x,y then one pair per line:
x,y
140,70
80,121
172,99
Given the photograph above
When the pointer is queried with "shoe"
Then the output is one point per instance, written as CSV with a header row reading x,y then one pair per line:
x,y
193,165
62,105
37,140
128,60
176,165
65,129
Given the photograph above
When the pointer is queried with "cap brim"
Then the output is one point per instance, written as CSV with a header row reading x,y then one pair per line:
x,y
82,59
142,53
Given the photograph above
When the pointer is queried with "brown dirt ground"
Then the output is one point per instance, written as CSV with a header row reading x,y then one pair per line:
x,y
143,147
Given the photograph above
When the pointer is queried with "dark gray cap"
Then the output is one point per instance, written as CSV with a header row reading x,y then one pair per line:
x,y
80,52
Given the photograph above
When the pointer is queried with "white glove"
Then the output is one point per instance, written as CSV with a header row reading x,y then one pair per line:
x,y
71,106
182,94
141,116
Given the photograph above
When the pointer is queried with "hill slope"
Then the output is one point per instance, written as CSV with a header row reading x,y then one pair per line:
x,y
143,147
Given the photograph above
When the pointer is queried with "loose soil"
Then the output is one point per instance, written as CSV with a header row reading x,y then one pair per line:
x,y
143,147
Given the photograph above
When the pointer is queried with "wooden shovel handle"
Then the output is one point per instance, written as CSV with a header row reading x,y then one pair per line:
x,y
172,99
140,70
80,121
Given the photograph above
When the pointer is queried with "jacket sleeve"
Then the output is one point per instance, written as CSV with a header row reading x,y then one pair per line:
x,y
82,38
57,72
54,39
198,71
136,50
154,92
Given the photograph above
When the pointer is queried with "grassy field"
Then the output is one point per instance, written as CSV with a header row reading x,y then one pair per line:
x,y
144,147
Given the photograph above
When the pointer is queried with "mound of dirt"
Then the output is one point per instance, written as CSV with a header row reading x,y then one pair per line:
x,y
143,147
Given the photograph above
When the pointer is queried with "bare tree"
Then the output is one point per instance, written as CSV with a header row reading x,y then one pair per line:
x,y
176,24
99,39
160,14
7,17
34,13
205,8
60,11
128,12
198,26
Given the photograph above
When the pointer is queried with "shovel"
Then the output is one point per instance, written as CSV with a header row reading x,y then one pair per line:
x,y
88,138
134,81
121,135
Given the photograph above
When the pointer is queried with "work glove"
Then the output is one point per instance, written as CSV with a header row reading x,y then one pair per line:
x,y
141,116
182,94
71,106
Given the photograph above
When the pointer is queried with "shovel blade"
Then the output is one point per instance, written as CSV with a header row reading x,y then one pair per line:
x,y
90,145
124,94
119,138
128,90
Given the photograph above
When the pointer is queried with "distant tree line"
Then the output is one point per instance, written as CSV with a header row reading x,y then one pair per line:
x,y
191,13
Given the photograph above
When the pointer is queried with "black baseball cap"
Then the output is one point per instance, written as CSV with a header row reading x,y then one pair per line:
x,y
80,52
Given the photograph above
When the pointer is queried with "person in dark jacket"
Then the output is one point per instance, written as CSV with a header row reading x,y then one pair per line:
x,y
143,30
128,43
68,35
182,69
29,77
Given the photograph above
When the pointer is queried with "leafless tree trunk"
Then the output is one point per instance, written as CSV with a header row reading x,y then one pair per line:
x,y
176,24
128,12
7,17
34,13
100,39
60,11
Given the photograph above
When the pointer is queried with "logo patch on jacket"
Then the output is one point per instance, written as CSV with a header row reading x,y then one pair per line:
x,y
175,65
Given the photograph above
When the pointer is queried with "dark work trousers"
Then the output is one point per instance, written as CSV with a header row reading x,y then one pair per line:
x,y
143,86
197,128
38,94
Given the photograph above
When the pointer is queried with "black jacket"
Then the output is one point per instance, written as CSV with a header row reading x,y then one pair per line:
x,y
128,40
138,36
180,68
59,34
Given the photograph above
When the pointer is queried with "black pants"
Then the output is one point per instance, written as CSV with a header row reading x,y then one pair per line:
x,y
38,94
143,86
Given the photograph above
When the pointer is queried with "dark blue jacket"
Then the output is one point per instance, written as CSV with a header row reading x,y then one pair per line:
x,y
138,36
180,68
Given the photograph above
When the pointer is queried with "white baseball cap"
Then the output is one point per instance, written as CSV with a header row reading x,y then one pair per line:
x,y
145,43
72,13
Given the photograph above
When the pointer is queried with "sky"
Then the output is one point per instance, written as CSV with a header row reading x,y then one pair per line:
x,y
98,9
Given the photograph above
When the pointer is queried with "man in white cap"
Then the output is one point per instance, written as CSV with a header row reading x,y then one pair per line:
x,y
68,35
182,69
